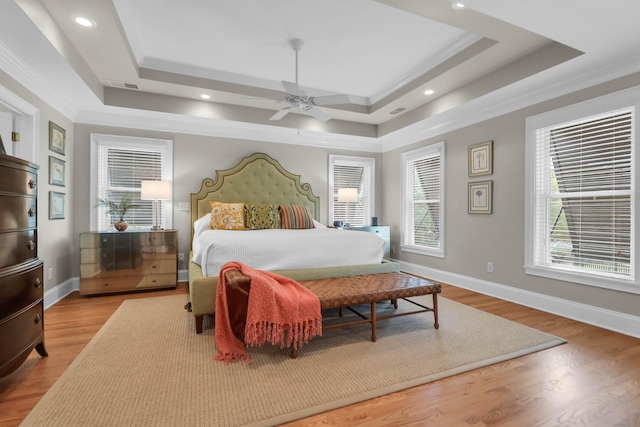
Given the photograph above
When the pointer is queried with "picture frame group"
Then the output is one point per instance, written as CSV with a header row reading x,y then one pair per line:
x,y
480,193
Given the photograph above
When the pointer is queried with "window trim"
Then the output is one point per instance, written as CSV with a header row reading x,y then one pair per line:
x,y
409,156
629,98
367,163
120,141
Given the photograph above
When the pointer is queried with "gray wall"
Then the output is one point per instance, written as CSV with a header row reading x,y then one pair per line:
x,y
198,157
473,240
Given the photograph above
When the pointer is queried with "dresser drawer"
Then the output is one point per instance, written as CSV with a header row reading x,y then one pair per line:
x,y
158,266
159,281
109,285
20,290
17,212
17,247
18,180
21,331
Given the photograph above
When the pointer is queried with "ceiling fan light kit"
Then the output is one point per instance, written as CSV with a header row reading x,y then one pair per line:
x,y
300,100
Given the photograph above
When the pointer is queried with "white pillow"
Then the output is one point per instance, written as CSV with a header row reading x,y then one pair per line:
x,y
202,224
317,224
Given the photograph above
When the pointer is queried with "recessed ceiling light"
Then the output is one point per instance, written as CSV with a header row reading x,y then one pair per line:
x,y
85,22
429,92
457,5
205,96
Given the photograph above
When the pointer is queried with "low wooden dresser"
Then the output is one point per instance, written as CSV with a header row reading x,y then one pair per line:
x,y
21,279
128,261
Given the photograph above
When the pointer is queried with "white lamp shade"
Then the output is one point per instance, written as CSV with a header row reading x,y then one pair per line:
x,y
155,190
347,195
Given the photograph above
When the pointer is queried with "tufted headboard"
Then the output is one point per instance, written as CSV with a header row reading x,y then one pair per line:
x,y
257,179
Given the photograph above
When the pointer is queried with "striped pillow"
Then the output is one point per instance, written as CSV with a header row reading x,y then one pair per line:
x,y
296,217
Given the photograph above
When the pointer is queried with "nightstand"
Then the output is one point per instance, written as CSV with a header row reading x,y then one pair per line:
x,y
381,230
128,261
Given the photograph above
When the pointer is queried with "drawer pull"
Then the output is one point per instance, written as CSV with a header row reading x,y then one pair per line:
x,y
153,266
32,184
31,212
38,318
31,245
38,283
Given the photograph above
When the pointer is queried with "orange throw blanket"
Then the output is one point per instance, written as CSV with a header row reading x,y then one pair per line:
x,y
279,311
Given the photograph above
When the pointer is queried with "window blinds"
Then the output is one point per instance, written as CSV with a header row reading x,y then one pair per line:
x,y
121,171
423,209
584,192
352,176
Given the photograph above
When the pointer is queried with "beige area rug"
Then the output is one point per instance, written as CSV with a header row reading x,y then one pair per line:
x,y
147,367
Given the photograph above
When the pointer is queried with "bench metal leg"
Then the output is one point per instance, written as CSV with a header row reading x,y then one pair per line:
x,y
373,321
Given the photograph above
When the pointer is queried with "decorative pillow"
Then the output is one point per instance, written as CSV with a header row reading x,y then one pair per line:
x,y
227,216
296,217
261,217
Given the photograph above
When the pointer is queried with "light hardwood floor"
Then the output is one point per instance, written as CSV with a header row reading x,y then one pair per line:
x,y
593,380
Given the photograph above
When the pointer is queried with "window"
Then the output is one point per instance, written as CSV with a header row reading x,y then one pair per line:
x,y
581,189
118,165
423,200
352,172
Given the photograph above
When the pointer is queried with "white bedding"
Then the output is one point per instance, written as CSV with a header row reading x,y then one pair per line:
x,y
284,249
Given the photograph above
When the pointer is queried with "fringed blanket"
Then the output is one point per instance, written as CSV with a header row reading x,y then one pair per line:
x,y
279,311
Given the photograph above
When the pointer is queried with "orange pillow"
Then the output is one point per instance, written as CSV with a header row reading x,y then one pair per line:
x,y
227,216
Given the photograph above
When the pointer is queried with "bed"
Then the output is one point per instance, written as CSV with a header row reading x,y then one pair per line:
x,y
260,180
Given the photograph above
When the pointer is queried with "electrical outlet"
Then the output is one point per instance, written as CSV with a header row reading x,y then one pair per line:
x,y
50,273
181,257
490,267
393,249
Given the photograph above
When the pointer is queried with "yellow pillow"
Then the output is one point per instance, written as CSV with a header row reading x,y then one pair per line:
x,y
227,216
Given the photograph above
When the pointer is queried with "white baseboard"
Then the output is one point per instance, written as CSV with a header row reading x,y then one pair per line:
x,y
596,316
57,293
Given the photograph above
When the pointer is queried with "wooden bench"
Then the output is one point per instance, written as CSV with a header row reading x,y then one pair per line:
x,y
345,292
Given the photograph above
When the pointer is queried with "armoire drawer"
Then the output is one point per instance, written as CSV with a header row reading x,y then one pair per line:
x,y
17,212
21,331
20,289
17,247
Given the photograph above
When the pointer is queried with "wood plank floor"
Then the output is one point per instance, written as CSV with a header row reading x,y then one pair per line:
x,y
593,380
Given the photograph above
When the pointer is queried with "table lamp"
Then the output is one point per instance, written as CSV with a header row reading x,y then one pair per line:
x,y
347,195
155,191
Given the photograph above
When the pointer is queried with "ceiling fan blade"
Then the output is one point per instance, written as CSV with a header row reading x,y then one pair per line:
x,y
293,89
331,100
280,114
317,113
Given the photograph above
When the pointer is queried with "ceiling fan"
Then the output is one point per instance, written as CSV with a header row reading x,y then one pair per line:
x,y
299,99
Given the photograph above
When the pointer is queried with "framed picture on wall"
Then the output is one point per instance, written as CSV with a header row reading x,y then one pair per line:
x,y
480,197
57,170
481,159
57,138
56,205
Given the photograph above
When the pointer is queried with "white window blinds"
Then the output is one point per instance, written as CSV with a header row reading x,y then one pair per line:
x,y
423,175
352,172
584,193
121,164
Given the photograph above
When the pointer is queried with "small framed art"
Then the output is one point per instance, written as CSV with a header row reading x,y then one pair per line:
x,y
57,138
481,159
480,197
57,203
57,173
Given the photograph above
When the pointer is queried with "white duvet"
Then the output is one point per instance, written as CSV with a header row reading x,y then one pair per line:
x,y
284,249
